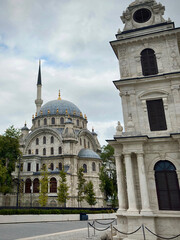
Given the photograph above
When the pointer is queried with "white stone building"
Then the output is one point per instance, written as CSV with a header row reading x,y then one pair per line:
x,y
58,137
148,151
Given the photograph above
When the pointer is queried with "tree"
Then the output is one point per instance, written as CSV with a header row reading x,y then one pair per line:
x,y
81,185
43,193
63,194
9,154
107,175
90,194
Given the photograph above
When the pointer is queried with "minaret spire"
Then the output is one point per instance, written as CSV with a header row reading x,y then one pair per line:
x,y
39,74
39,101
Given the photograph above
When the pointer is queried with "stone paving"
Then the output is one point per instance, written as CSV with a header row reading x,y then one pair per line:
x,y
78,234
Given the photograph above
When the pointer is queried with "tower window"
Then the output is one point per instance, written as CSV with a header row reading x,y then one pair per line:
x,y
53,185
45,121
52,139
44,151
85,168
62,120
37,167
44,140
28,185
53,120
52,151
37,141
60,150
29,151
167,186
60,166
156,115
37,151
77,122
149,62
36,185
52,166
29,167
94,166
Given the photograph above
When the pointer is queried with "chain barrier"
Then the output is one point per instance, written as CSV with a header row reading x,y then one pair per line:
x,y
112,227
161,236
105,223
127,233
99,229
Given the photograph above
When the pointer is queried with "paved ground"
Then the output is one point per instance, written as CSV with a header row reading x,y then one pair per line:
x,y
75,230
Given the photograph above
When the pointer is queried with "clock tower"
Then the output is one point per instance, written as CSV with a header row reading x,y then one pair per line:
x,y
147,151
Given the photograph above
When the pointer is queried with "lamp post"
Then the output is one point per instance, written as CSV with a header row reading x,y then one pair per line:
x,y
18,180
31,188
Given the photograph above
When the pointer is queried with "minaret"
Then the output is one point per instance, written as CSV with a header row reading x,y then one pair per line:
x,y
39,101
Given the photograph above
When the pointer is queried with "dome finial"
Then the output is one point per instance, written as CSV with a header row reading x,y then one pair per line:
x,y
59,95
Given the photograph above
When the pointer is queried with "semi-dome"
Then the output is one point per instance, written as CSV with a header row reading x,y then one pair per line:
x,y
88,153
60,107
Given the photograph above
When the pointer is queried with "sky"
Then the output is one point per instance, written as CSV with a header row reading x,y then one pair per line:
x,y
71,37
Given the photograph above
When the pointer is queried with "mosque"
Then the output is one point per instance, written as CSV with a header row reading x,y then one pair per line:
x,y
58,138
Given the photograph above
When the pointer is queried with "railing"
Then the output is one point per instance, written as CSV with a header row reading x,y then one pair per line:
x,y
110,226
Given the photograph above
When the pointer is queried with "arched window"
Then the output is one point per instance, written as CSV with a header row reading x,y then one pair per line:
x,y
37,151
53,120
36,185
94,166
52,139
45,121
60,166
29,151
167,186
80,141
44,151
37,141
52,166
28,185
77,122
44,140
52,151
62,120
85,168
84,143
60,150
38,123
149,62
53,185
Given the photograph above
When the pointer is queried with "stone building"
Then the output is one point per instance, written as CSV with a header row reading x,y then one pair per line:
x,y
147,152
58,137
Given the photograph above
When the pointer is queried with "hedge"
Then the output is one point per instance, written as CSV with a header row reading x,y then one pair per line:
x,y
51,211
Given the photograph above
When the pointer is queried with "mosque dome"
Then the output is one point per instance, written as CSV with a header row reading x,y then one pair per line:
x,y
88,153
60,107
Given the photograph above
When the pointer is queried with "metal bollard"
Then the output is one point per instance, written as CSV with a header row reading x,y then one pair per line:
x,y
143,232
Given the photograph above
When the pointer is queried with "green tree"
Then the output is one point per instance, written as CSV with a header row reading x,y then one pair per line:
x,y
43,193
63,194
90,194
107,175
81,185
9,154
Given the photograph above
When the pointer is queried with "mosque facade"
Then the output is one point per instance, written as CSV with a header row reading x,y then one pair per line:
x,y
58,139
147,151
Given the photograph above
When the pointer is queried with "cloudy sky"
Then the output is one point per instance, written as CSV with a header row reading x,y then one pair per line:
x,y
72,39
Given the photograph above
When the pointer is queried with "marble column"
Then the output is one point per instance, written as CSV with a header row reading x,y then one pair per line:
x,y
143,183
132,201
120,183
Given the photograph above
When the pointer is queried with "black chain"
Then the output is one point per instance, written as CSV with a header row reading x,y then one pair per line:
x,y
105,223
128,233
99,229
160,236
